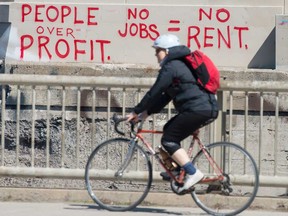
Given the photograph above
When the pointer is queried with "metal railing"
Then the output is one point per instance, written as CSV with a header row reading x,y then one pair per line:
x,y
50,124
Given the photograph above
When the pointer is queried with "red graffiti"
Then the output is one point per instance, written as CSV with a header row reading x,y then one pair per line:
x,y
207,36
143,14
63,48
42,13
240,33
56,31
60,42
222,14
139,29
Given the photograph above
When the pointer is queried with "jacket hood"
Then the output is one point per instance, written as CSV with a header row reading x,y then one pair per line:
x,y
177,52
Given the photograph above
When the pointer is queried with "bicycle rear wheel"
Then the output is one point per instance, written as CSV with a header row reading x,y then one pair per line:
x,y
238,189
110,189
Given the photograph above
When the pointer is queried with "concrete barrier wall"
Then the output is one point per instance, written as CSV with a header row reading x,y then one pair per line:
x,y
232,33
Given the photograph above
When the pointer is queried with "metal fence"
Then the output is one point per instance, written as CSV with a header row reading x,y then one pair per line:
x,y
50,124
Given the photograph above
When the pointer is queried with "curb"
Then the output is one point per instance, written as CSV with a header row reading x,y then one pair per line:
x,y
153,199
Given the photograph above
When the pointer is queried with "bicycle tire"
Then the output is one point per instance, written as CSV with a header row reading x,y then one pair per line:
x,y
240,170
120,193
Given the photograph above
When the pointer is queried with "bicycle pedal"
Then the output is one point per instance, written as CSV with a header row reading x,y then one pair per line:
x,y
165,176
190,189
187,191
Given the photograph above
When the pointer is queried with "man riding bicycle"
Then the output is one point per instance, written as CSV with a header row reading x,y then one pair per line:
x,y
195,106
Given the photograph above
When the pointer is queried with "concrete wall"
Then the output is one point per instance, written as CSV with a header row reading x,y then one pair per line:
x,y
233,33
282,41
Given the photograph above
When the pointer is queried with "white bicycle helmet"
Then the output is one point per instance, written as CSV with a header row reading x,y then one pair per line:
x,y
166,41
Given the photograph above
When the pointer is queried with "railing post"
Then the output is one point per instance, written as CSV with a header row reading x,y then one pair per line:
x,y
220,121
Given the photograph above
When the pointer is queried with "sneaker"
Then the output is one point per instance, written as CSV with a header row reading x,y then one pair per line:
x,y
191,180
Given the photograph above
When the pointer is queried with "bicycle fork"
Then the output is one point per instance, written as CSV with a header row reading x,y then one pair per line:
x,y
127,159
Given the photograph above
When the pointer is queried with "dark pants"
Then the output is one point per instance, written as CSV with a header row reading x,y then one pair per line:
x,y
182,125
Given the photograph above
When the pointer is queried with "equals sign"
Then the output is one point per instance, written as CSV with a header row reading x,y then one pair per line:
x,y
174,29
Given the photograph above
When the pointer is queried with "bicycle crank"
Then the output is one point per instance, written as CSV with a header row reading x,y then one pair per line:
x,y
175,186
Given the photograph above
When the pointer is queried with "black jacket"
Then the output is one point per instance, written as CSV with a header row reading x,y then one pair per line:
x,y
186,96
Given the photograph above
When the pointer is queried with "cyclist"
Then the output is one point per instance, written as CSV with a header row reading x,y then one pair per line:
x,y
195,107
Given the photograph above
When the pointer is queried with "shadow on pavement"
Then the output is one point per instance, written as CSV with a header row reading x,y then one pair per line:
x,y
138,209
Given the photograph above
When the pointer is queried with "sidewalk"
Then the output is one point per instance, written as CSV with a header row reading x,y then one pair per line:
x,y
153,199
66,209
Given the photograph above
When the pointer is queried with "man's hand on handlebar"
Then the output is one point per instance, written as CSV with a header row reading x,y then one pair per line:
x,y
136,118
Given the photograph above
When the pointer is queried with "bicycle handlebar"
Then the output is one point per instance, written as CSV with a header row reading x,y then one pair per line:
x,y
118,119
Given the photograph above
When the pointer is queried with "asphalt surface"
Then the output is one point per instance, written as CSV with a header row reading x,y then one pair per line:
x,y
74,209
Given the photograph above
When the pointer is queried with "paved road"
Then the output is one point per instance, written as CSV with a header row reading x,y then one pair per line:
x,y
69,209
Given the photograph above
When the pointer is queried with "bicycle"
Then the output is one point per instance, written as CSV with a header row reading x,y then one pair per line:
x,y
229,187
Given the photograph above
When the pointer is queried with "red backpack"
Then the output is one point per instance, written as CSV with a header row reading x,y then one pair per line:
x,y
204,70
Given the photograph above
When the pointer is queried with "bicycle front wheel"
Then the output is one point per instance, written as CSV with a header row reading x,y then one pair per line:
x,y
237,190
116,181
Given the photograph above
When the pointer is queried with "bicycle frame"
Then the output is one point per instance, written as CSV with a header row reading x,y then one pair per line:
x,y
155,154
215,167
195,139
